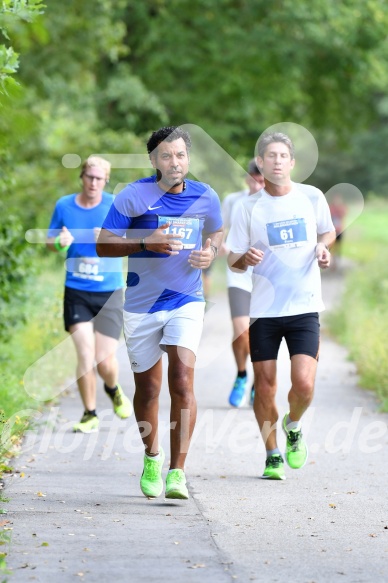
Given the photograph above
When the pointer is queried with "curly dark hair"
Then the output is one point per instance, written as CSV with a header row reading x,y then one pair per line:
x,y
168,134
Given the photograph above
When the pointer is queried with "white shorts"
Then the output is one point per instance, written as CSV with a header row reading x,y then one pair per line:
x,y
147,335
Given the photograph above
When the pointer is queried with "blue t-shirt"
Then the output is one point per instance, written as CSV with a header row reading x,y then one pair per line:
x,y
84,269
157,281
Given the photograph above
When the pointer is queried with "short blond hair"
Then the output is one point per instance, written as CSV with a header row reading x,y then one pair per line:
x,y
96,161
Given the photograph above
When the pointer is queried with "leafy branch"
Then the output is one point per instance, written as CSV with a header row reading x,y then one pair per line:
x,y
10,11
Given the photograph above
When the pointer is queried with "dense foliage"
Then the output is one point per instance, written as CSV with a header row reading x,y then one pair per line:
x,y
101,74
16,258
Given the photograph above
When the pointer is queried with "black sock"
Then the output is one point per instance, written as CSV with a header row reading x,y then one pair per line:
x,y
109,390
242,374
92,412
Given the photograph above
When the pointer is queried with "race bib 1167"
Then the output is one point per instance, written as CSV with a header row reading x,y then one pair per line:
x,y
187,228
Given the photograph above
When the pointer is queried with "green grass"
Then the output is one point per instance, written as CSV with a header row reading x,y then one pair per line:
x,y
365,238
5,539
361,321
30,342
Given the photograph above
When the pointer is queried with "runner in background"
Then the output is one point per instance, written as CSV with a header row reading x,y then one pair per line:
x,y
239,291
93,290
338,212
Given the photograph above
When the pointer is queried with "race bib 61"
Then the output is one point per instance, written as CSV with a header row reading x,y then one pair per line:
x,y
290,233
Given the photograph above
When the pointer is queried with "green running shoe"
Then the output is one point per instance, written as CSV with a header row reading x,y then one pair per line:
x,y
176,485
122,406
274,468
296,448
151,482
88,424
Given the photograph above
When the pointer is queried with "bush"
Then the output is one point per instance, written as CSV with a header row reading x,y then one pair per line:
x,y
16,267
42,332
361,321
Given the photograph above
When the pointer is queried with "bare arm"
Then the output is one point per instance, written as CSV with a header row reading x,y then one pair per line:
x,y
111,245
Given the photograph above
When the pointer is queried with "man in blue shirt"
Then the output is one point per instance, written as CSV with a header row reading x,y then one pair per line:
x,y
163,219
93,290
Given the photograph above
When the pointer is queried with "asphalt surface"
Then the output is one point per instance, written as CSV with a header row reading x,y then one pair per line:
x,y
76,512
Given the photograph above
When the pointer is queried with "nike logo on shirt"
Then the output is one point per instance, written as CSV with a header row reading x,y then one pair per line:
x,y
152,208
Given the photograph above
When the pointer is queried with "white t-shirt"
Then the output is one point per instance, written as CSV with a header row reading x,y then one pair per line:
x,y
228,209
288,281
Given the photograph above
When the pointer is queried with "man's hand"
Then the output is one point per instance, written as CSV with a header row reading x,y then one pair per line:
x,y
160,242
65,237
252,257
201,259
322,253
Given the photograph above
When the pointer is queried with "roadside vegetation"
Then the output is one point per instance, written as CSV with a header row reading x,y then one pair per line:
x,y
29,341
361,320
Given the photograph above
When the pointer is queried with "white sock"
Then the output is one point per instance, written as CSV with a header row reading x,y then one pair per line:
x,y
293,425
154,457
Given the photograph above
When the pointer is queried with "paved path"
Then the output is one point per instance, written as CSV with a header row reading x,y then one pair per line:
x,y
77,513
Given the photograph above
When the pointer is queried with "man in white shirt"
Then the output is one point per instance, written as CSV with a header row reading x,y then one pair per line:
x,y
284,232
239,290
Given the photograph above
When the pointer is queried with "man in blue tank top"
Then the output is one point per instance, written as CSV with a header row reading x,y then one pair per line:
x,y
158,222
93,290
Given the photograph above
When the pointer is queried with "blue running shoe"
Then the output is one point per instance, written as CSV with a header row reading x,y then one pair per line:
x,y
237,396
252,397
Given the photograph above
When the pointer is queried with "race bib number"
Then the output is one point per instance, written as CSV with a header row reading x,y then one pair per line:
x,y
88,268
290,233
187,228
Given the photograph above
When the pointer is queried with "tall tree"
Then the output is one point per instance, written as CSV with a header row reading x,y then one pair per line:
x,y
15,125
237,66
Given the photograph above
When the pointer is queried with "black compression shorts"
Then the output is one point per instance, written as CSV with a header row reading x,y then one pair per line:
x,y
104,308
301,333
